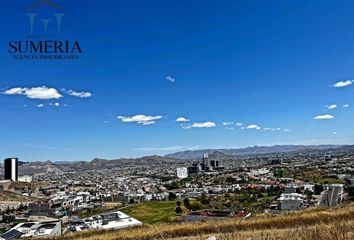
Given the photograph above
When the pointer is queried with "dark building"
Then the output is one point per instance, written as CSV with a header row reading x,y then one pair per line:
x,y
195,168
11,169
276,161
214,163
211,164
206,165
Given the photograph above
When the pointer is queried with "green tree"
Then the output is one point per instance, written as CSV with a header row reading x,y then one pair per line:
x,y
350,191
204,200
21,207
279,173
195,206
308,193
186,203
172,186
178,210
318,189
8,210
230,180
172,196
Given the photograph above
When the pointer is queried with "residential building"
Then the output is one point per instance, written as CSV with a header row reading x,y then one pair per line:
x,y
33,230
291,201
332,195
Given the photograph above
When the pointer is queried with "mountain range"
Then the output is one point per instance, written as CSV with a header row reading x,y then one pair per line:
x,y
197,154
178,157
95,164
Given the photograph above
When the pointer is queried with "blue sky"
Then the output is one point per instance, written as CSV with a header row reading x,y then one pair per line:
x,y
243,73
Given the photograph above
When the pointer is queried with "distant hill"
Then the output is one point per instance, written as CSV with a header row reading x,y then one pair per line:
x,y
95,164
98,163
197,154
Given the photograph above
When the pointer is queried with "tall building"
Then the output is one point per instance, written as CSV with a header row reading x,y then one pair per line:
x,y
206,163
11,169
214,163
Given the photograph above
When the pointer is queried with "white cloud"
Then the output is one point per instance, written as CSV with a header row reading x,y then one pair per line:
x,y
332,106
40,105
140,119
171,79
43,93
276,129
227,123
56,104
182,119
335,133
343,83
207,124
326,116
14,91
346,105
79,94
253,126
239,124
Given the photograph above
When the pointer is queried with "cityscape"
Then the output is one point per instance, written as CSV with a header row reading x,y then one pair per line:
x,y
46,199
177,120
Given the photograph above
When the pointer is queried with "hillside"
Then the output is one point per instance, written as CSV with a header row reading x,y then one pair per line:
x,y
95,164
324,224
7,196
197,154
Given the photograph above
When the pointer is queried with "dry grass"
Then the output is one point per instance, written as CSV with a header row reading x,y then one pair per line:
x,y
7,196
335,231
334,224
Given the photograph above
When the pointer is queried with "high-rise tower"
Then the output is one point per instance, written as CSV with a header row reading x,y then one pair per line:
x,y
11,169
206,163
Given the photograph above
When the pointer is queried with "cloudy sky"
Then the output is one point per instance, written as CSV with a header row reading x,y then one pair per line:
x,y
162,76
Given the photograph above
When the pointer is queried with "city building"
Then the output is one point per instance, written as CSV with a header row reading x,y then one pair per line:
x,y
195,168
182,172
214,164
351,181
11,169
25,178
332,195
276,161
291,201
206,162
206,165
33,230
291,189
114,220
